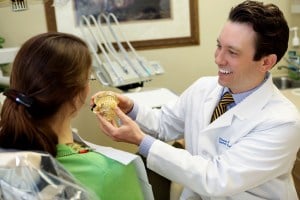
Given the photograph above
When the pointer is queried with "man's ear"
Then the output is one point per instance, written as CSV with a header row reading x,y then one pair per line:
x,y
268,62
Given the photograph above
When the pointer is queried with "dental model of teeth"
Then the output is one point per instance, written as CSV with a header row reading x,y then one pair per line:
x,y
105,104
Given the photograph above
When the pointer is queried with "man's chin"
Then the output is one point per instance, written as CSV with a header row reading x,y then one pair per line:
x,y
221,82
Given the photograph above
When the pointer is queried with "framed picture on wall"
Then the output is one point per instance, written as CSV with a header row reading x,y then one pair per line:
x,y
126,10
147,24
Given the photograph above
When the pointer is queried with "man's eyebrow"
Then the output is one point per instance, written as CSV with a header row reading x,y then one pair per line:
x,y
234,48
230,47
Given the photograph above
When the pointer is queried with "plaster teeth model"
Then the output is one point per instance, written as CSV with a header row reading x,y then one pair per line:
x,y
105,105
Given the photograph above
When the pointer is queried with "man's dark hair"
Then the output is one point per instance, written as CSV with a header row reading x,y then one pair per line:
x,y
272,31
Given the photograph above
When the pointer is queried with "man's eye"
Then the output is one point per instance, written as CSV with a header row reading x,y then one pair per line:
x,y
232,53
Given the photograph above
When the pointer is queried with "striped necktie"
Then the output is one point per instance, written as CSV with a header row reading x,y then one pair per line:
x,y
222,106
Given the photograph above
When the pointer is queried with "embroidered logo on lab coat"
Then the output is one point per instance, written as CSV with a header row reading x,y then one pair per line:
x,y
224,142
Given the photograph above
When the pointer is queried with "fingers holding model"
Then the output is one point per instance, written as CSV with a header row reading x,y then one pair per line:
x,y
109,108
128,131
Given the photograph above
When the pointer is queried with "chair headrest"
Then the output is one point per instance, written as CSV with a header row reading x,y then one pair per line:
x,y
36,175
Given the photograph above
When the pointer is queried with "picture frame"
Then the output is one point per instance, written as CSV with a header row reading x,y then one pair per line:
x,y
181,30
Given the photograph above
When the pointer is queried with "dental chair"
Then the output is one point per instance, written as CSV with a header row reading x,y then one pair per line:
x,y
37,176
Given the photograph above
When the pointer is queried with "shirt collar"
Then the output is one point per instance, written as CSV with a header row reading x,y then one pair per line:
x,y
239,97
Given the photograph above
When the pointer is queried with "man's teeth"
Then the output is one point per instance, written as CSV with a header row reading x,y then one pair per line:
x,y
225,71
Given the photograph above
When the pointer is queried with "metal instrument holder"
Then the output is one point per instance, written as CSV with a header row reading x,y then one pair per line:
x,y
114,68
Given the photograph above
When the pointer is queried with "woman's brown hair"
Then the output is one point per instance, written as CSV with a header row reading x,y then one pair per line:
x,y
49,70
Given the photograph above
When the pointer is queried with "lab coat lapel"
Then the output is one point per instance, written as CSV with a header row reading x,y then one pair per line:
x,y
211,102
222,121
243,110
255,102
210,105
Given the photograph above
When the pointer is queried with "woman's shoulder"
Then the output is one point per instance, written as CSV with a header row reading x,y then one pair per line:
x,y
86,156
101,173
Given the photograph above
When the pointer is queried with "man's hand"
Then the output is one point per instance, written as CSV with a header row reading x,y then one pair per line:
x,y
128,131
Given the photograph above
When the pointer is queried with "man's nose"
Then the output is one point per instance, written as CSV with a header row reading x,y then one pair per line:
x,y
220,58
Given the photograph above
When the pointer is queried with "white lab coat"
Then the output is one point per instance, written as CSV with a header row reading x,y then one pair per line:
x,y
247,153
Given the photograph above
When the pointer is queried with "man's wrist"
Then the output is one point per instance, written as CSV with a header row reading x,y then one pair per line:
x,y
145,145
133,113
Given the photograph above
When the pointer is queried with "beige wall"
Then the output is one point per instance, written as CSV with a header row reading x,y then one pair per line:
x,y
183,65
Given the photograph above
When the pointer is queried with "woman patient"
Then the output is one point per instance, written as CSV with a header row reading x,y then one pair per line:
x,y
49,84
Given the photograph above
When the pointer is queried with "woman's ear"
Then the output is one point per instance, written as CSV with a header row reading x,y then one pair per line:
x,y
269,62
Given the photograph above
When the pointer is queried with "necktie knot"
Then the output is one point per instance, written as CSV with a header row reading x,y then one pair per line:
x,y
222,106
227,99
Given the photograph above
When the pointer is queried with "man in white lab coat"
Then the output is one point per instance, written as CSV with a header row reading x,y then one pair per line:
x,y
248,152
